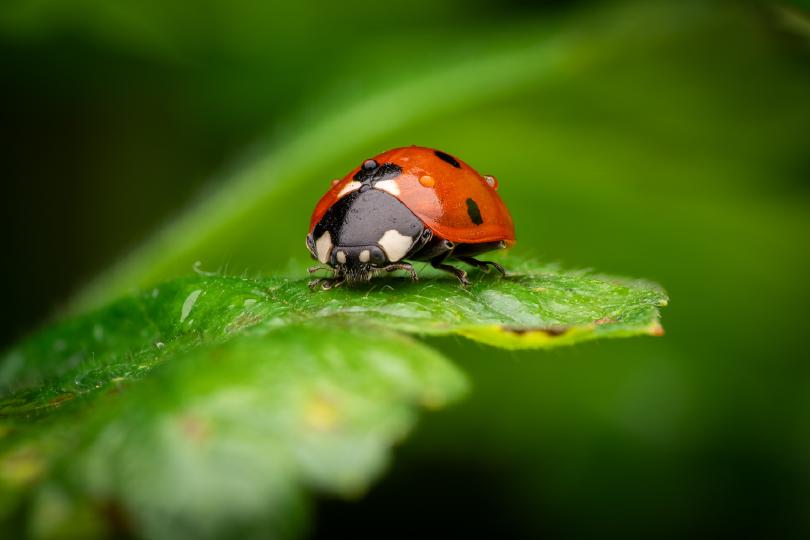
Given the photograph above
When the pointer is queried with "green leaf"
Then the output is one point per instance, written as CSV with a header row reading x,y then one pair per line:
x,y
214,404
203,435
535,307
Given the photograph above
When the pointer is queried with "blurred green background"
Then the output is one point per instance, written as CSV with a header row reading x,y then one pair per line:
x,y
665,140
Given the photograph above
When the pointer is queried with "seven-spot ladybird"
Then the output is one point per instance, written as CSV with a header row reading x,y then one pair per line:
x,y
407,203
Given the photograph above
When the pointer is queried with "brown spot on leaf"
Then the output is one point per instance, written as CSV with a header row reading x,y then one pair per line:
x,y
58,400
605,320
551,331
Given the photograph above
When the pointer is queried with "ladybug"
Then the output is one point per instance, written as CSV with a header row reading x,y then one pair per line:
x,y
411,203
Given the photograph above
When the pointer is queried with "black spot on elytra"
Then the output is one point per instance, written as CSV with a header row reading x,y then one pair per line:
x,y
369,176
474,212
447,158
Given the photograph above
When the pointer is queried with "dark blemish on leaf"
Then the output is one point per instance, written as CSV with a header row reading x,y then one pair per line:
x,y
474,212
556,331
58,400
447,158
553,331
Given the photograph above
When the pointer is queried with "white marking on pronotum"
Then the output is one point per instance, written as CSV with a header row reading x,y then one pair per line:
x,y
323,247
365,256
189,303
395,245
348,188
390,186
341,257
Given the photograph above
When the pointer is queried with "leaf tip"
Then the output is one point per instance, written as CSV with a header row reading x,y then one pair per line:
x,y
655,329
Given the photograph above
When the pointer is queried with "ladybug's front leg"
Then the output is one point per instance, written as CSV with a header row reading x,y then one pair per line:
x,y
313,269
325,283
403,266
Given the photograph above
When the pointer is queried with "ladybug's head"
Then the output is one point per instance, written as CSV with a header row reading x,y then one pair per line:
x,y
366,231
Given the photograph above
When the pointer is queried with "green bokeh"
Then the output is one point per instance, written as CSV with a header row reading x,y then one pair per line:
x,y
666,140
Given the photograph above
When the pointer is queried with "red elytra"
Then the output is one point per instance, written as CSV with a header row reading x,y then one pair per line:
x,y
443,203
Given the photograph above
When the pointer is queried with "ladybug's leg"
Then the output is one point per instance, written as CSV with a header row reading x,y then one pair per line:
x,y
483,265
324,283
460,274
313,269
402,266
327,283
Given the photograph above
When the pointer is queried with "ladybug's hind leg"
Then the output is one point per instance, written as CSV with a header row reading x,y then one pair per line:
x,y
461,275
483,265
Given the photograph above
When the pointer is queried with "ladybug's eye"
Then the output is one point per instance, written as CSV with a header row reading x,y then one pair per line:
x,y
369,165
